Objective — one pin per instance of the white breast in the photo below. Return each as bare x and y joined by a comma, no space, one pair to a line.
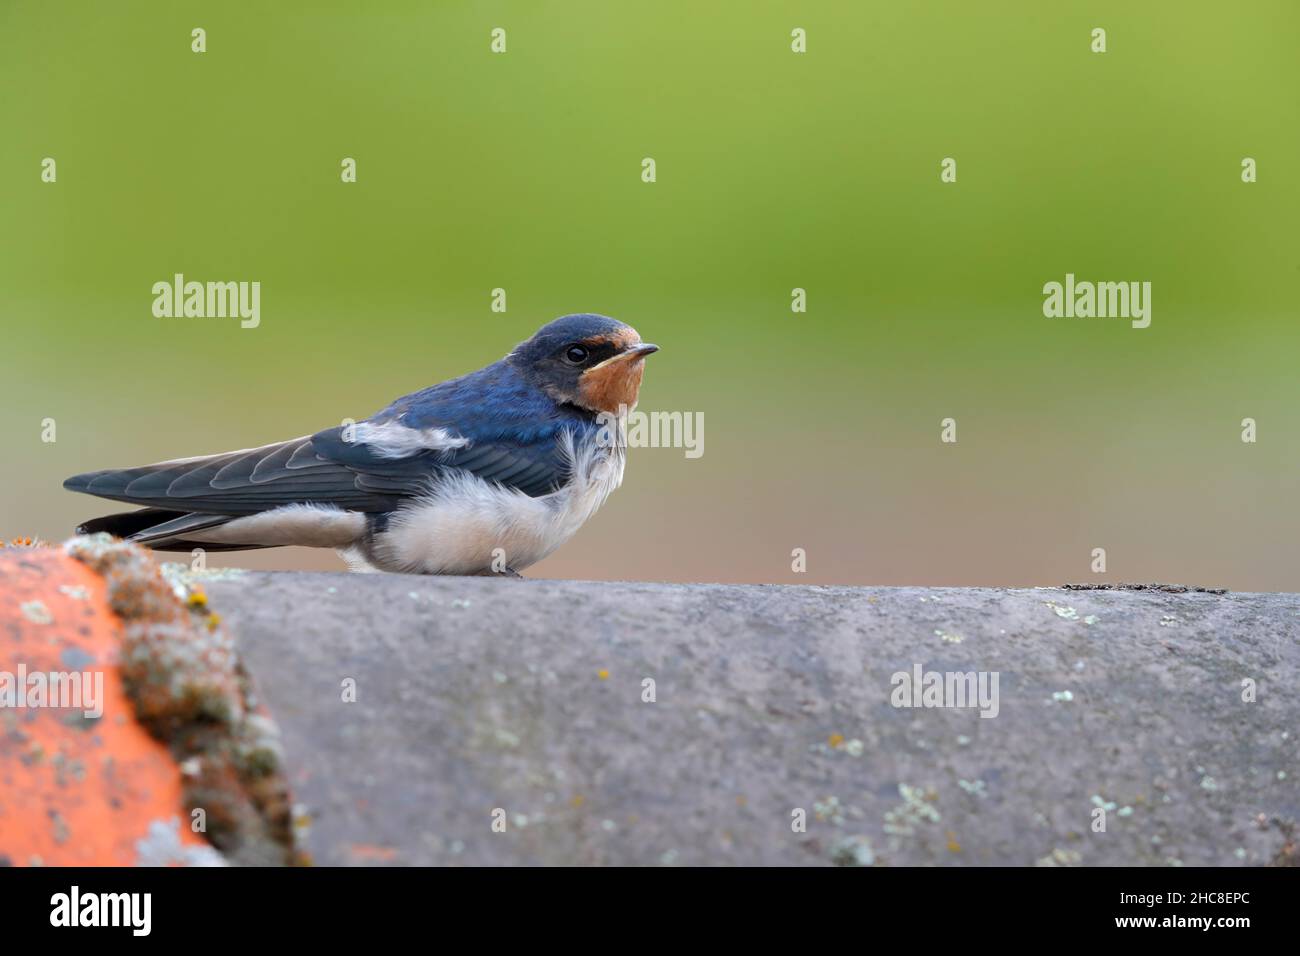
465,525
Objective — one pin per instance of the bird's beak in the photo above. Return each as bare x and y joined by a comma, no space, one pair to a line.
632,353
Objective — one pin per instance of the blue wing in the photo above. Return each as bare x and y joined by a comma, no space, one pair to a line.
513,431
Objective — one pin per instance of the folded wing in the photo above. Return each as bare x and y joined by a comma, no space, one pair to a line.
325,469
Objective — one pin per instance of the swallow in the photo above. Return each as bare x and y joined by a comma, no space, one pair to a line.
489,472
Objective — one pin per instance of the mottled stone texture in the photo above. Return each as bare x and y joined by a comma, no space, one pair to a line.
475,694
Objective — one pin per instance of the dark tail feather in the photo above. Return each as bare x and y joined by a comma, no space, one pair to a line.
127,523
157,527
180,544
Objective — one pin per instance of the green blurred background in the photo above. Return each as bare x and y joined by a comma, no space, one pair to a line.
775,170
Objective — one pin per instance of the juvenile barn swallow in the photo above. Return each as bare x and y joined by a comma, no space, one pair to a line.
515,456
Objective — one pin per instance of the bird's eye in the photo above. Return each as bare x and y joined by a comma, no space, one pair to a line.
576,354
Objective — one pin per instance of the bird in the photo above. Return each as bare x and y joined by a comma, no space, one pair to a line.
486,473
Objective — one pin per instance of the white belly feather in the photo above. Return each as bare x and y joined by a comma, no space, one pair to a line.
308,526
466,525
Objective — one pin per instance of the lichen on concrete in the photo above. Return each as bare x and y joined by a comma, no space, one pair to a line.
187,684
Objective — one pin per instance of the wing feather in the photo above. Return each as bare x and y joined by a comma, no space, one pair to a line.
323,469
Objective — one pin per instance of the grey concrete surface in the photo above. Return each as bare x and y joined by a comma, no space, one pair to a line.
475,695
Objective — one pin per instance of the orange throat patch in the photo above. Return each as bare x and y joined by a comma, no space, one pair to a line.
613,384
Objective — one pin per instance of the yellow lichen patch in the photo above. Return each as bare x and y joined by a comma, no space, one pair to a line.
835,740
197,599
602,674
953,845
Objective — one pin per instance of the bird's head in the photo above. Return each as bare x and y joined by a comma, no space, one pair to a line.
591,361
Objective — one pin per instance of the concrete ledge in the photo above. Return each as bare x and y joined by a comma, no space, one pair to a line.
526,696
